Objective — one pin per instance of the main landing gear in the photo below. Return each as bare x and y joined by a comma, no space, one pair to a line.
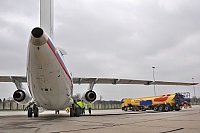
33,111
74,111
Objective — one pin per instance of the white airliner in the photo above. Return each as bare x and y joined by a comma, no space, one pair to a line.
49,81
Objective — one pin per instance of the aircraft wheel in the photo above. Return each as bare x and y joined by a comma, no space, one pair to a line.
71,113
30,111
57,111
36,112
78,112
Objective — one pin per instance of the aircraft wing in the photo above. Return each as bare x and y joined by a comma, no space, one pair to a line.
77,80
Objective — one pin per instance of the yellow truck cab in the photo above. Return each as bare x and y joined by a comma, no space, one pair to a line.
126,102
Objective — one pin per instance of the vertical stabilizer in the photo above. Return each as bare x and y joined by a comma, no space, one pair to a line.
47,16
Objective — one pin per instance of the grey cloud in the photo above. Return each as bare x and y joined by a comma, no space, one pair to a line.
112,38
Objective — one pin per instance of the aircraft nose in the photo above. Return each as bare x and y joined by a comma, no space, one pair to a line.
37,32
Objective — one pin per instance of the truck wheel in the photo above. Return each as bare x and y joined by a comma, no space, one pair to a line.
143,109
167,108
177,107
125,108
155,108
134,108
160,108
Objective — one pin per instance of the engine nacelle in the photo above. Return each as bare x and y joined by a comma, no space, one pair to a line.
89,96
22,96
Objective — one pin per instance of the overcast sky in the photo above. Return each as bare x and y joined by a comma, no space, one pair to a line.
110,38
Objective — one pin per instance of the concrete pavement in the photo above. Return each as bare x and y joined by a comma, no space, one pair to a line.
103,121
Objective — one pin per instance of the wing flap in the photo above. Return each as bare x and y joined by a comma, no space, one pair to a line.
174,83
77,80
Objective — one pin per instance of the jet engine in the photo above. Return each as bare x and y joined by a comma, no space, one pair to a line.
22,96
89,96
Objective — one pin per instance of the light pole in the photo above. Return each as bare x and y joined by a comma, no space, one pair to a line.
193,87
154,81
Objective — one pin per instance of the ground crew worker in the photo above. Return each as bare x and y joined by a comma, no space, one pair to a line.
75,104
90,107
79,104
83,107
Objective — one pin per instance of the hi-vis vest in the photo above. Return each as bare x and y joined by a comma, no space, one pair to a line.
89,105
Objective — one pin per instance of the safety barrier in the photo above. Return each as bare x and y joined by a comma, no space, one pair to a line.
106,105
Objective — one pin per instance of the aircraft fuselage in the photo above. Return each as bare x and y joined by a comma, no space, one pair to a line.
48,78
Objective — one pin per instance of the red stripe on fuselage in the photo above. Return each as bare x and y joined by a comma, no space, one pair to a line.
59,60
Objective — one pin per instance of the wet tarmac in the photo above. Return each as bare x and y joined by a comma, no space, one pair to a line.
103,121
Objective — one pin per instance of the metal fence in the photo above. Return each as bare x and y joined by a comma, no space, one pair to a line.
12,105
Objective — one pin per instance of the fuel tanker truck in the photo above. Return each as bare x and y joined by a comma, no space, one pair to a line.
167,102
